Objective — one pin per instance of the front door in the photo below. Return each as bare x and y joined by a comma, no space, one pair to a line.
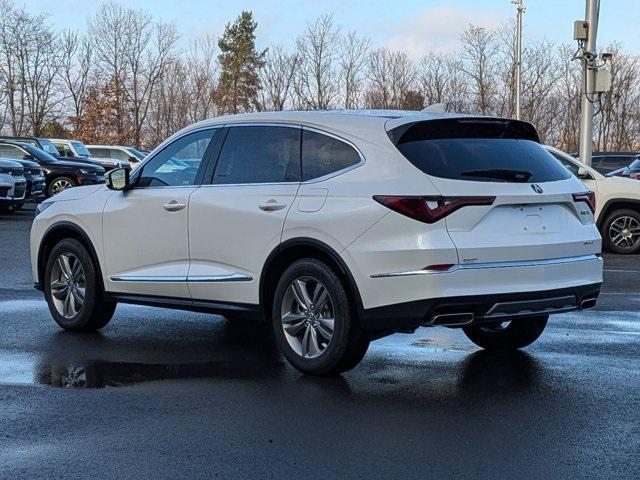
146,228
237,219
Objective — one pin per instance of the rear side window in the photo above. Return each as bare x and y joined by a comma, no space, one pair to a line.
256,154
323,155
99,152
478,150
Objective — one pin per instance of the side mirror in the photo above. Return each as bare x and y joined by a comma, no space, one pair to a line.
118,179
583,174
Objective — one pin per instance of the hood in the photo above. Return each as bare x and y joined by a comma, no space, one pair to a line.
76,193
79,164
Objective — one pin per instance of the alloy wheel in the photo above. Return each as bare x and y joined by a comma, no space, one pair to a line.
308,316
624,232
68,284
60,185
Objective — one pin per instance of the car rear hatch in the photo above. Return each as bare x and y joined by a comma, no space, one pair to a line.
519,203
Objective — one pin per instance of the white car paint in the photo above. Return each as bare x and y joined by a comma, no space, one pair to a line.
523,242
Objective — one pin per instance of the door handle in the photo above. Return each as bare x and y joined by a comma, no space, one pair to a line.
174,206
272,206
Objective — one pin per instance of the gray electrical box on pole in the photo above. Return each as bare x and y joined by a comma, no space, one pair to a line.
589,57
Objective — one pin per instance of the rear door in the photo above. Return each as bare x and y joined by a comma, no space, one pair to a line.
533,214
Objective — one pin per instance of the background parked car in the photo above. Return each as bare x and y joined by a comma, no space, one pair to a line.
12,176
117,152
60,174
617,204
607,162
632,171
36,182
76,149
40,142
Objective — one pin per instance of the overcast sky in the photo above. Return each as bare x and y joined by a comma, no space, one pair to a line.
416,26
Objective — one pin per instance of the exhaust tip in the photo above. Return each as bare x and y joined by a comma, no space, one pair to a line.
588,303
452,319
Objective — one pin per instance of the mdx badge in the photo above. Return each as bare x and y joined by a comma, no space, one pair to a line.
536,188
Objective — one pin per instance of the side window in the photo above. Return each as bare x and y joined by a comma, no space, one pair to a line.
569,165
119,154
256,154
323,155
11,151
179,162
99,152
64,150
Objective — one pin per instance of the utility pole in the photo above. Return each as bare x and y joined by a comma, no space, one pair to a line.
589,57
520,11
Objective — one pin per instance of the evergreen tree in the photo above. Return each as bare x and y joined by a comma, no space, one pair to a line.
240,63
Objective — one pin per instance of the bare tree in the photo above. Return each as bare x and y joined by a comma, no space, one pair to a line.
77,55
316,84
392,80
478,54
354,51
277,78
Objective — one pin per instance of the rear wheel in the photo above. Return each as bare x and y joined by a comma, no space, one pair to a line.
621,231
508,335
313,321
60,184
73,290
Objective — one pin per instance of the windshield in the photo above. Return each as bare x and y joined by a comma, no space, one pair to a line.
39,153
80,148
635,165
48,146
136,153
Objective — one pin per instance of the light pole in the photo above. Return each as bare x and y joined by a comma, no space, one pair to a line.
589,57
520,11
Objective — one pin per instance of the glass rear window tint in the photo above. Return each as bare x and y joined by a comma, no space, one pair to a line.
323,155
483,151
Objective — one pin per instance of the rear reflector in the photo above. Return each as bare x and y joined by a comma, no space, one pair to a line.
429,209
588,197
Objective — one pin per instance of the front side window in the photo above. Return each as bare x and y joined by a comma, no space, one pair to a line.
568,164
259,154
178,163
323,155
64,150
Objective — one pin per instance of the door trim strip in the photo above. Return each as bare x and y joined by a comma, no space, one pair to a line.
234,277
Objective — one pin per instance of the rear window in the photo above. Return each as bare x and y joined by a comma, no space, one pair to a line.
478,150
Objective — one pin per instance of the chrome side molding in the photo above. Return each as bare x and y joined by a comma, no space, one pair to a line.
234,277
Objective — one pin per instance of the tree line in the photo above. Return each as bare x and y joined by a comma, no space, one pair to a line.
128,81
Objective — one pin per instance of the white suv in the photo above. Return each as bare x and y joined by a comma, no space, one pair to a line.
339,228
617,204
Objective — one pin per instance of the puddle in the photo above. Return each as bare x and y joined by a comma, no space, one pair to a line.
438,345
23,369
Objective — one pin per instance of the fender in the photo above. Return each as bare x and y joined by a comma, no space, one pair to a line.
66,225
318,245
604,211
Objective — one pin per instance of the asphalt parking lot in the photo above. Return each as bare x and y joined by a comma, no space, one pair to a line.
197,396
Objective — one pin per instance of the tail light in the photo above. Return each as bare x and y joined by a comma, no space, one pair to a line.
429,209
588,197
635,176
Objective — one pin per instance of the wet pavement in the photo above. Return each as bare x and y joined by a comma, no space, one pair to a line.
162,394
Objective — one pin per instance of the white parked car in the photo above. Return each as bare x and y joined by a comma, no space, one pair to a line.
617,204
117,152
75,149
339,228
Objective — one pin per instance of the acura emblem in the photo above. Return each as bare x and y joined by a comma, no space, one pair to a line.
536,188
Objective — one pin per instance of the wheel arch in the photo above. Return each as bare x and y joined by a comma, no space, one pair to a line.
59,231
616,204
295,249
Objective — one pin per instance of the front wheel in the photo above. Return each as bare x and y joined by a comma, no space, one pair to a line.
73,290
507,335
60,184
313,320
621,232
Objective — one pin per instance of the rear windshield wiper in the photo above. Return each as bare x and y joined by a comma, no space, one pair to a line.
501,174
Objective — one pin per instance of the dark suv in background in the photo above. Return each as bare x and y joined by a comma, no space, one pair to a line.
60,174
36,182
608,162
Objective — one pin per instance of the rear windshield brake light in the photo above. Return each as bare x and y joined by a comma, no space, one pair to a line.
429,209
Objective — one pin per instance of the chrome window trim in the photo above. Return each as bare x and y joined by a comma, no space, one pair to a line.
490,265
233,277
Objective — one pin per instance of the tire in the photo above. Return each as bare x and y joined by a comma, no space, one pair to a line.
347,343
507,335
60,184
71,264
621,232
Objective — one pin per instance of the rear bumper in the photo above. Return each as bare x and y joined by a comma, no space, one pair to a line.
476,309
